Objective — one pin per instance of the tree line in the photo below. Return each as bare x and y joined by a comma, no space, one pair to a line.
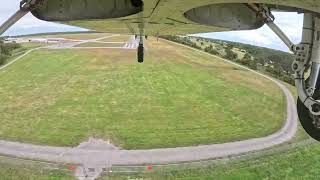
6,50
275,63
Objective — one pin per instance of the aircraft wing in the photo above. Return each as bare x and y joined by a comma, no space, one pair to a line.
167,17
163,17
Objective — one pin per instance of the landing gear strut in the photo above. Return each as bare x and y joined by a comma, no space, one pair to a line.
25,7
307,58
140,53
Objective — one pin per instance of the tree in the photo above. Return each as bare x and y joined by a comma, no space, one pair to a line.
5,50
3,59
247,56
260,60
230,54
208,48
229,46
246,60
253,65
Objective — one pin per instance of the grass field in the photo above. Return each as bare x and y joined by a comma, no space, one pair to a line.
302,163
295,163
24,48
178,97
10,172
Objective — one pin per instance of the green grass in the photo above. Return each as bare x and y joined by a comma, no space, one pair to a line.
19,169
10,172
24,48
177,98
302,163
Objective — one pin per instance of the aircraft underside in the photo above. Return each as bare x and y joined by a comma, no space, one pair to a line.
167,17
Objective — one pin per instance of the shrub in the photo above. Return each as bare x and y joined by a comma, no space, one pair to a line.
230,54
3,59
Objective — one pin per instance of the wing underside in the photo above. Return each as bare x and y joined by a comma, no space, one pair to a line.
163,17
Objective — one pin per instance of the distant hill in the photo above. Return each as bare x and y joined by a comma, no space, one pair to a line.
54,33
274,62
261,53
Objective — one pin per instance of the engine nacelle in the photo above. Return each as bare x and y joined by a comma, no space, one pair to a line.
231,16
67,10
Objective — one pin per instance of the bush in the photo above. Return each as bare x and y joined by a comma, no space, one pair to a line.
253,65
230,54
5,50
288,79
3,59
214,52
12,46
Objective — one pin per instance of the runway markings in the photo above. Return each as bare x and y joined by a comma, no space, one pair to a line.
132,43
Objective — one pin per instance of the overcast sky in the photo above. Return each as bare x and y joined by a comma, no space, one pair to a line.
291,23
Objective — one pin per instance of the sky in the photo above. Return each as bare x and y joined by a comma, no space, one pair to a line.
290,23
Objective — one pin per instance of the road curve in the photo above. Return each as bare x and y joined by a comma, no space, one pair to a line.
108,157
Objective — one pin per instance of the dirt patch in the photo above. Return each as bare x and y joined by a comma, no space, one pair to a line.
97,144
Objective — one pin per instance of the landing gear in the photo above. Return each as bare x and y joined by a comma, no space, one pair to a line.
309,122
307,60
140,53
140,50
308,57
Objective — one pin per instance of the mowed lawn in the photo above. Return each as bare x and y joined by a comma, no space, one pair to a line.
10,172
178,97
